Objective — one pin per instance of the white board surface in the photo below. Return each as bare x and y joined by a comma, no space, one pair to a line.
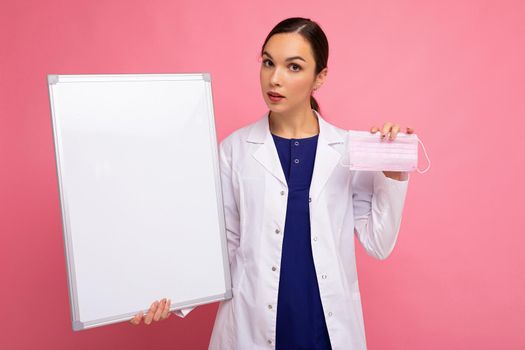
140,193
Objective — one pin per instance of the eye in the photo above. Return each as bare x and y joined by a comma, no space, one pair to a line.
297,66
266,61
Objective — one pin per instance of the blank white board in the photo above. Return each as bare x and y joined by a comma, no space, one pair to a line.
140,193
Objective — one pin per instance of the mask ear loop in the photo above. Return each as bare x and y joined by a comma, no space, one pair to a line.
426,156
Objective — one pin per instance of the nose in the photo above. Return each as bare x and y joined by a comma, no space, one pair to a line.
275,78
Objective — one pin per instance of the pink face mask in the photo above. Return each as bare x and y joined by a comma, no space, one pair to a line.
366,151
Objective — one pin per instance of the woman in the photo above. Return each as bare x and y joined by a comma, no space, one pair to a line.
292,210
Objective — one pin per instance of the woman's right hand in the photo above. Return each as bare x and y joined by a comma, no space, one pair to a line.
159,310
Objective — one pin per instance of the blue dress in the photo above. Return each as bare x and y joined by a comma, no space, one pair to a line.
300,317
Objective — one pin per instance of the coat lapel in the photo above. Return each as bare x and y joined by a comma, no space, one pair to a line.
266,154
326,157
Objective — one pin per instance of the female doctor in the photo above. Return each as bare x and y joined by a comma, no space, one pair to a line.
291,212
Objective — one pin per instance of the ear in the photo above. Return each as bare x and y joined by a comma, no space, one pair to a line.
321,77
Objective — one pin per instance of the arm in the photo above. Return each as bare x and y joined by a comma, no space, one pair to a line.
230,199
378,202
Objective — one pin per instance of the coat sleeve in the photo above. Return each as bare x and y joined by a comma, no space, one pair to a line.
229,198
378,203
231,211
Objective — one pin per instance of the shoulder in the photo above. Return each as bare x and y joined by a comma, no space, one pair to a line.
333,134
337,130
238,137
235,146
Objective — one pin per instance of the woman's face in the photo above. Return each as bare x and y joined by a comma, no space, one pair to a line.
288,69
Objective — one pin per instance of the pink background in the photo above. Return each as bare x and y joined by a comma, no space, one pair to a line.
453,70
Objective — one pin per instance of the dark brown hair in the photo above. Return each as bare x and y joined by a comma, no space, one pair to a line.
313,33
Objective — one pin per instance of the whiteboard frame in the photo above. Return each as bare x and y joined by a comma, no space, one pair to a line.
54,79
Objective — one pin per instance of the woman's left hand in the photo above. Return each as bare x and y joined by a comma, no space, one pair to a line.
389,131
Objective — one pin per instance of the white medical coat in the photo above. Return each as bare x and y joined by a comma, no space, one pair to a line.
342,202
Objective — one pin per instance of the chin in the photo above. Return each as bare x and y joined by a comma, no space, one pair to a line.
276,109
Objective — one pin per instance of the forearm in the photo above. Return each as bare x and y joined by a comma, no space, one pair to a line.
378,205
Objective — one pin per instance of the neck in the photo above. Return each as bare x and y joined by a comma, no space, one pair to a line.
296,125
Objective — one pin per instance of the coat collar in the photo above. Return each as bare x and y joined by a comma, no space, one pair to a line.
326,157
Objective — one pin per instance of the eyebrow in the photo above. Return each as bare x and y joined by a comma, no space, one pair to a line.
286,60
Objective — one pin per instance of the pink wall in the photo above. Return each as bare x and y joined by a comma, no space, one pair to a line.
453,70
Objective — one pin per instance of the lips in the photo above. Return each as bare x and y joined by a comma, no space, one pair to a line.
274,94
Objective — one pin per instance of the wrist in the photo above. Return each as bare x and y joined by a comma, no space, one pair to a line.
396,175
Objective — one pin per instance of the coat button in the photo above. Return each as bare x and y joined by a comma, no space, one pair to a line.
282,193
330,314
270,306
274,268
269,342
315,238
324,277
296,161
309,199
296,143
277,231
